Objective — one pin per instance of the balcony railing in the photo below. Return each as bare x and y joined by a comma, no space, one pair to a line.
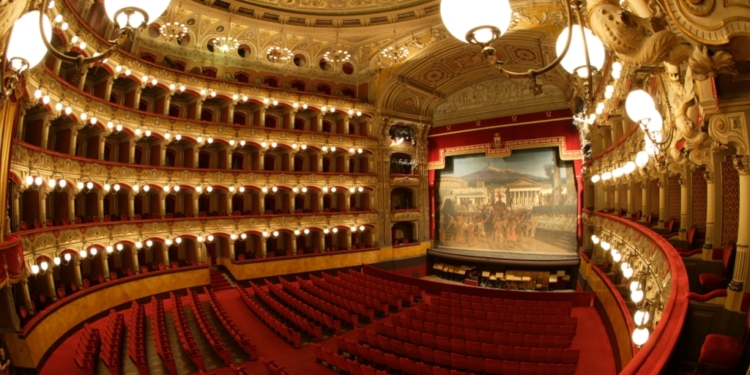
667,269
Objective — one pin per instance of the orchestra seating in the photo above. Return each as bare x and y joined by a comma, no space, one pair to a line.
291,336
208,329
319,303
87,349
186,338
161,341
238,336
111,341
136,345
297,320
273,368
307,310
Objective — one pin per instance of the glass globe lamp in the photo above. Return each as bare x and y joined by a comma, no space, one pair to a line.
575,60
476,21
641,159
639,105
134,14
640,336
26,48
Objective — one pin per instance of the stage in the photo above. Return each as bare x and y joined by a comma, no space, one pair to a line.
505,257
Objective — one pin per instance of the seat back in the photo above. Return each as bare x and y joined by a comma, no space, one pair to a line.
691,236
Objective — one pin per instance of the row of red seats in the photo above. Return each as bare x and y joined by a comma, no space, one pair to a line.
310,327
413,341
476,324
238,336
111,339
396,293
304,308
423,348
513,316
87,349
321,304
500,309
273,368
276,325
239,370
453,297
412,289
183,331
442,358
482,336
354,307
384,298
343,365
208,329
369,304
457,330
136,346
161,340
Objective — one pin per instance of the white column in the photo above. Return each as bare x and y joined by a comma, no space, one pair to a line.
708,244
739,285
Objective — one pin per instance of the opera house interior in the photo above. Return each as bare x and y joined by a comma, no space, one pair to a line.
417,187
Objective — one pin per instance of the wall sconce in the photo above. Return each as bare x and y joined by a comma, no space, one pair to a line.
141,187
33,180
299,105
201,190
299,188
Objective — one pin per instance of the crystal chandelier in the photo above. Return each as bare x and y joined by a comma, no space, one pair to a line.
336,56
226,44
393,54
278,54
173,31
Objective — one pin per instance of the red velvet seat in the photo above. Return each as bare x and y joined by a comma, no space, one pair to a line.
712,281
721,353
423,369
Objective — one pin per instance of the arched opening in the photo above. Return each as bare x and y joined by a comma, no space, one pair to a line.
402,198
401,163
403,233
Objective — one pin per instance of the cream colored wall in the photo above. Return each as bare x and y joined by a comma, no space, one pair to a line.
254,270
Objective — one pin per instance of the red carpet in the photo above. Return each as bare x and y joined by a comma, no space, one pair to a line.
591,339
219,282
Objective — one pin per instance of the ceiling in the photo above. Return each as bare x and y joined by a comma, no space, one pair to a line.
442,81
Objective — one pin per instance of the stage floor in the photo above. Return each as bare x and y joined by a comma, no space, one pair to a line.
507,254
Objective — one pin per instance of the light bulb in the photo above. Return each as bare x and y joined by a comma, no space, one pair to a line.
93,252
306,231
275,233
138,245
639,105
640,336
297,232
44,266
149,243
606,245
67,257
616,256
178,240
636,295
119,247
146,188
210,238
83,254
243,236
641,317
110,249
627,272
38,181
594,239
34,269
335,230
641,159
57,261
634,285
595,178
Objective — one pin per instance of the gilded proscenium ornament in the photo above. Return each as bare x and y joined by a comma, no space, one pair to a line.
647,41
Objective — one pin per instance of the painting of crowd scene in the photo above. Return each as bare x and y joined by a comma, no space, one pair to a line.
524,203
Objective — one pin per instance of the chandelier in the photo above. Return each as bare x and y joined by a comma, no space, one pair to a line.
171,31
393,54
482,22
278,54
226,44
336,56
30,39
